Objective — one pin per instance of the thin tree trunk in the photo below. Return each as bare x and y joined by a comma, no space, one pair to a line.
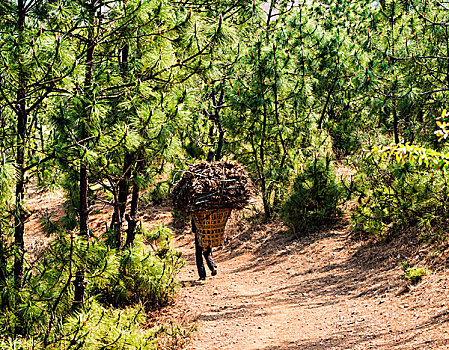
132,217
395,123
84,176
217,147
210,154
276,114
22,121
2,258
221,133
84,199
217,121
323,112
79,282
263,185
123,189
19,221
128,161
117,224
395,113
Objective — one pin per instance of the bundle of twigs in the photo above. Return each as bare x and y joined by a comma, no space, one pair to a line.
212,185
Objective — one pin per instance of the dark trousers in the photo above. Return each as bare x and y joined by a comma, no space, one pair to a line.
199,253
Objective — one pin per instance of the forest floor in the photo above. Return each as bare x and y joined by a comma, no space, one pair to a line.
328,290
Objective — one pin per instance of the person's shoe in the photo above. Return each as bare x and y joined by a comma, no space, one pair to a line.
202,279
214,272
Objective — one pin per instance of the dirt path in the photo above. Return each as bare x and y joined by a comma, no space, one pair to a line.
322,292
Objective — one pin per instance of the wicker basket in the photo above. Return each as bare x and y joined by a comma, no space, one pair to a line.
210,226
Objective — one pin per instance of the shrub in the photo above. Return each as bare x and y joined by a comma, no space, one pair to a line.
144,274
131,280
155,194
314,198
345,137
97,327
392,196
413,274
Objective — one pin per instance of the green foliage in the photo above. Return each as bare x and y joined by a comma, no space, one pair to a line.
155,194
413,274
134,279
98,327
314,198
392,196
403,185
144,274
412,154
160,235
346,139
7,177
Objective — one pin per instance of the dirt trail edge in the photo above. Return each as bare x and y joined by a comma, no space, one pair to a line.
325,291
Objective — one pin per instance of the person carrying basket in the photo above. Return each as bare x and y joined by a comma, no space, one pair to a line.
209,191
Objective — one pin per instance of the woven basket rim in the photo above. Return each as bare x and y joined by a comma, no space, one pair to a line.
213,210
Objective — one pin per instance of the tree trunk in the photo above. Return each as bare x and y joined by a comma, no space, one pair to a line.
261,168
123,189
19,221
395,124
217,121
128,161
132,217
84,199
2,259
79,282
117,220
80,285
210,154
21,139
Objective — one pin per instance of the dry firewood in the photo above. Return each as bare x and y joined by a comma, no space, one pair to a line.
212,185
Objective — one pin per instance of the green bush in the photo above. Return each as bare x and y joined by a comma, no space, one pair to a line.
314,198
120,286
392,196
413,274
345,137
46,292
143,273
97,327
155,194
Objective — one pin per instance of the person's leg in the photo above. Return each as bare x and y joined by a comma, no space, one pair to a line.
210,261
199,259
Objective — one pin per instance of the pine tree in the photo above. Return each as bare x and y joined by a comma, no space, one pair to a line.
30,68
265,125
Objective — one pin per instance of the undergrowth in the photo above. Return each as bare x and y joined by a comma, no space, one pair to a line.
413,274
122,285
392,197
314,198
